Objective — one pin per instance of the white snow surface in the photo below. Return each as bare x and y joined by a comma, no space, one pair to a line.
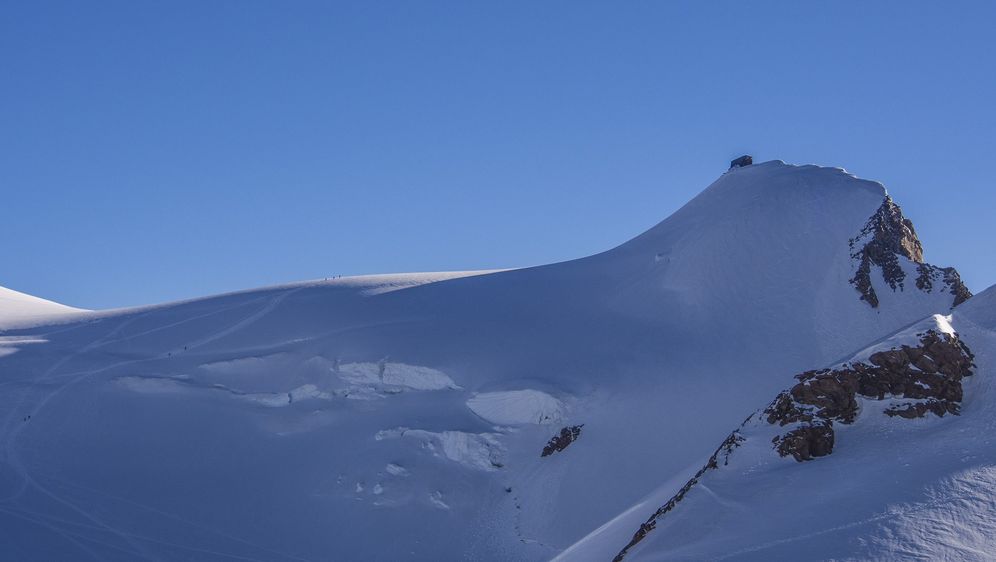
517,407
893,489
400,375
18,309
257,425
482,451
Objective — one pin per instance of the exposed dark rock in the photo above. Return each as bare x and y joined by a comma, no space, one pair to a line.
807,442
561,441
912,410
930,373
928,274
891,232
955,285
785,410
862,282
830,393
885,237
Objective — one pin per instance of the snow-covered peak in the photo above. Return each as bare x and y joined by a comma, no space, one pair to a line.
499,416
776,243
774,195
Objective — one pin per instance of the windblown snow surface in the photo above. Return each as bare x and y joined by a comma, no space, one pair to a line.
893,488
19,309
402,417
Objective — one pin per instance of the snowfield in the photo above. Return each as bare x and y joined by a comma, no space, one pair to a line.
892,489
517,407
402,417
18,309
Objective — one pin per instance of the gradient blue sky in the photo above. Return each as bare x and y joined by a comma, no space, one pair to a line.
152,151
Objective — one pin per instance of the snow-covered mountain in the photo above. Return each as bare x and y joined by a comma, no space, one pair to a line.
508,415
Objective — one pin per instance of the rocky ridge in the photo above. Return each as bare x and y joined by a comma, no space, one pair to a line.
723,452
926,377
928,274
885,238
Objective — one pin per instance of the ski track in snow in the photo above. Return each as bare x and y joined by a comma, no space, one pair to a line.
891,514
248,321
28,481
184,521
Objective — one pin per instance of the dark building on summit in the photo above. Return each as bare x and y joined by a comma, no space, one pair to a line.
744,160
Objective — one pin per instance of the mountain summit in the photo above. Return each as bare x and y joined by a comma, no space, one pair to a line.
475,415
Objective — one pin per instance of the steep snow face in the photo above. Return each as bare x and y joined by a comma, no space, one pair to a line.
899,482
18,309
770,238
404,417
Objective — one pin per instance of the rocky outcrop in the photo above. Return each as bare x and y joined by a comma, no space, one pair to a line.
887,237
929,375
928,275
562,440
910,410
806,442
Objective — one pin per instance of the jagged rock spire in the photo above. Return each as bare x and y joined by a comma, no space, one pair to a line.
885,237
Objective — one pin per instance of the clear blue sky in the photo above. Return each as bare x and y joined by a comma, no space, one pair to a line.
152,151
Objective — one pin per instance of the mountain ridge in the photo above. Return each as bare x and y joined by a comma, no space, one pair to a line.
354,408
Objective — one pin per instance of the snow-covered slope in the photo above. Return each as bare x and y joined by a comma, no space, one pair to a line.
18,309
336,420
882,478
